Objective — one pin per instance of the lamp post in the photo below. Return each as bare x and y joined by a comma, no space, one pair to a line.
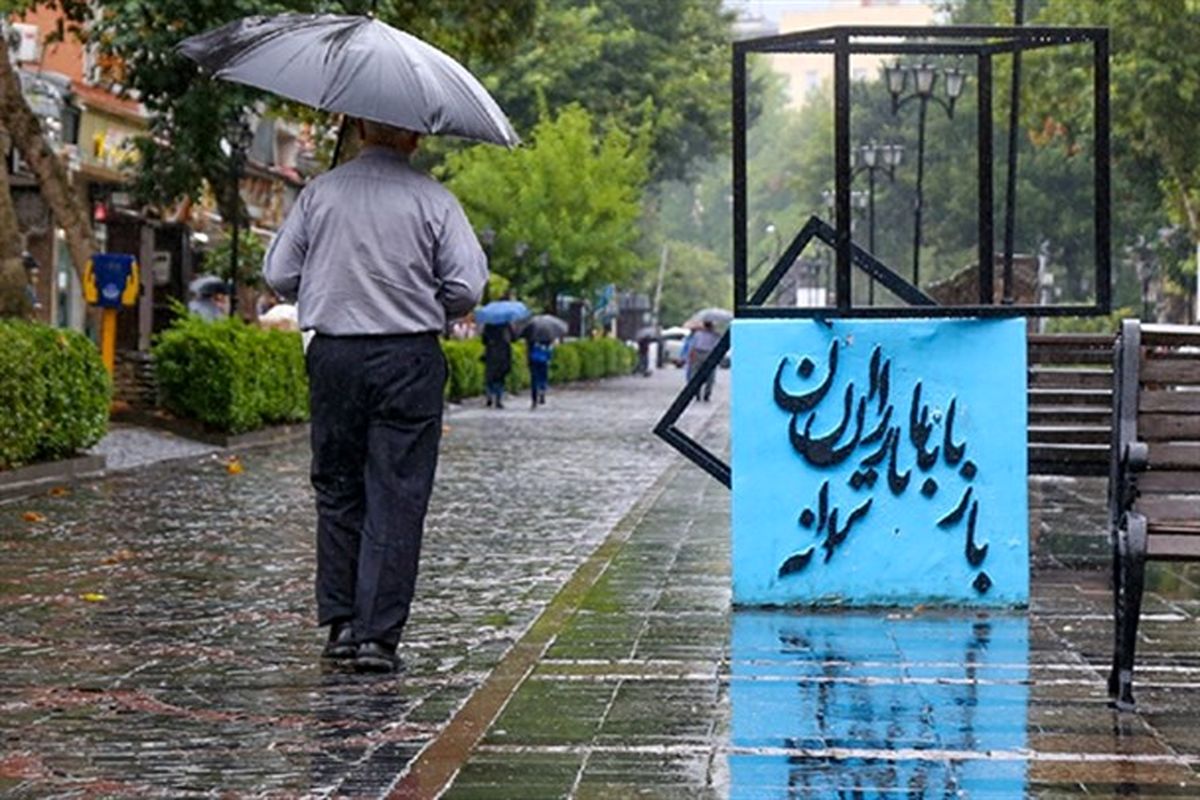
238,136
519,251
544,261
487,238
858,199
873,158
924,78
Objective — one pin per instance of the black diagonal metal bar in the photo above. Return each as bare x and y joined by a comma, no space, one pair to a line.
879,271
689,447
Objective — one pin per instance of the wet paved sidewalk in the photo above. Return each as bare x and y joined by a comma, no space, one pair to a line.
579,539
158,638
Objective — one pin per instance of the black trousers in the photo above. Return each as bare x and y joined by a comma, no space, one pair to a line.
376,405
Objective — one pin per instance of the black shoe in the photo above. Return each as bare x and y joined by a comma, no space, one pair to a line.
533,405
376,657
542,399
341,644
489,401
499,403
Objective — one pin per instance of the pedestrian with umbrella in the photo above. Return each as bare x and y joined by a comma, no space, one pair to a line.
700,344
378,256
209,298
539,334
498,318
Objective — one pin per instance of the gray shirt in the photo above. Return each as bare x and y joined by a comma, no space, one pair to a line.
376,247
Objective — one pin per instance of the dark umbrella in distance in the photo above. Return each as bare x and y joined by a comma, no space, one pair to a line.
716,316
357,66
545,328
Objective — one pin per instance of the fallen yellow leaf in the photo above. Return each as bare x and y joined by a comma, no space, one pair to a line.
93,597
234,466
33,516
60,491
119,556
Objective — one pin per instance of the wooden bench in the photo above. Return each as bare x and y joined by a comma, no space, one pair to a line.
1154,485
1070,404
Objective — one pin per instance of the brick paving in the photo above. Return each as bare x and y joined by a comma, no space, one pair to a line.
575,536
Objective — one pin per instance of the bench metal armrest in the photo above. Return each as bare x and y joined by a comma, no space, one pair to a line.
1136,456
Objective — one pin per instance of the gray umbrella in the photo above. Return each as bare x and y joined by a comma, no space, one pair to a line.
545,328
207,286
357,66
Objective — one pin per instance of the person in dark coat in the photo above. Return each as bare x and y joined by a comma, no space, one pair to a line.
497,361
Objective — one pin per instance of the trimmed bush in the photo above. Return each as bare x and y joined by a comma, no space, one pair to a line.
229,375
464,360
54,390
565,366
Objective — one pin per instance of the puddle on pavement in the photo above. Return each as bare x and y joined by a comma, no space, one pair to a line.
878,705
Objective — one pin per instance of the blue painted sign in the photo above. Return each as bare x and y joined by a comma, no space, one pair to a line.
849,705
880,462
110,280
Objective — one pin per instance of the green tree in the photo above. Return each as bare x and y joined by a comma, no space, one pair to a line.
190,112
1156,99
569,193
629,61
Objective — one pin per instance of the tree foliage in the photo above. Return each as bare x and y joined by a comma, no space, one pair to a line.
570,193
1156,100
628,61
190,113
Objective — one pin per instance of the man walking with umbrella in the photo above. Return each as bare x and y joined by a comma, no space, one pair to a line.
379,255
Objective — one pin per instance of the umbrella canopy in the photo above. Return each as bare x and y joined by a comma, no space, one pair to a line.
545,328
207,286
357,66
501,312
717,316
648,332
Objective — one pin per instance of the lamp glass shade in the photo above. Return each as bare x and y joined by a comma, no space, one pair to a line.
897,77
955,78
925,77
870,154
889,155
897,155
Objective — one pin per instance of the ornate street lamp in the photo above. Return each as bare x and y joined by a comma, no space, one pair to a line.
872,158
924,79
238,137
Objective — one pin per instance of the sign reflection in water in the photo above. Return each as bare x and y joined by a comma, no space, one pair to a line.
865,706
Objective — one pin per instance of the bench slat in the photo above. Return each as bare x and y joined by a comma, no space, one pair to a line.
1155,482
1067,378
1173,547
1079,415
1073,355
1160,401
1170,335
1070,434
1069,397
1068,452
1170,371
1168,509
1175,456
1169,427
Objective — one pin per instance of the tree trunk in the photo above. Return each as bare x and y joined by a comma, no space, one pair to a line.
69,210
14,300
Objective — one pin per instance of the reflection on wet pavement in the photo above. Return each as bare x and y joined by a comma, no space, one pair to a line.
877,705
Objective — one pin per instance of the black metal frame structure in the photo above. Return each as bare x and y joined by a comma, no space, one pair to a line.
982,42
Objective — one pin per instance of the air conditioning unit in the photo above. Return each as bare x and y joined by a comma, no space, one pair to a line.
24,42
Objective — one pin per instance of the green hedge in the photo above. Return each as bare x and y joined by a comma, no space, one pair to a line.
54,391
229,375
235,377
